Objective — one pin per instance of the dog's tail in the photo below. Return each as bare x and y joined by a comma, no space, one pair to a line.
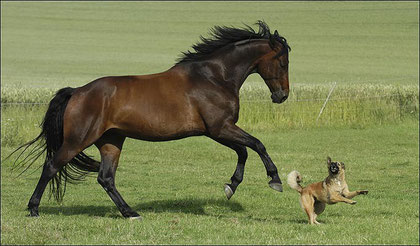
293,180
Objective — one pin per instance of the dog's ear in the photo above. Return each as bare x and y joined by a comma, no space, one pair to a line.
343,166
328,160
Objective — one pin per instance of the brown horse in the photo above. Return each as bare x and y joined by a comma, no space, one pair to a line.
199,95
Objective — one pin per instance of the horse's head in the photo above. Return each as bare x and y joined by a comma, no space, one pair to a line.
274,68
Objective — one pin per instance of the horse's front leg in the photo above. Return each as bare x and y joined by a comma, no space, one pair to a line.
233,134
238,175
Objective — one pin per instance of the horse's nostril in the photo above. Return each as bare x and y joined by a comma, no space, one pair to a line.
283,99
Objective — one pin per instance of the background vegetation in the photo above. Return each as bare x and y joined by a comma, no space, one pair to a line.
369,50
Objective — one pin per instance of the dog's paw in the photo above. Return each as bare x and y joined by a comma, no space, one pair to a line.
363,192
353,202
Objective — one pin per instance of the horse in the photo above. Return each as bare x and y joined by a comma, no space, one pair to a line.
198,96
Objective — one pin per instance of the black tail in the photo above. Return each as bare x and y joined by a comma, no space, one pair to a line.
50,140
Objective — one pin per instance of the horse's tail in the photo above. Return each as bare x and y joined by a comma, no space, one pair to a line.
50,140
293,179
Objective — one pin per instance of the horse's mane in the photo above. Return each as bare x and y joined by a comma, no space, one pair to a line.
222,36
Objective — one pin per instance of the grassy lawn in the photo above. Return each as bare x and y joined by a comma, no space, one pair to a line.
371,123
56,44
178,188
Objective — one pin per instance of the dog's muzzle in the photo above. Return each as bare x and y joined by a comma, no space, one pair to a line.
334,168
279,96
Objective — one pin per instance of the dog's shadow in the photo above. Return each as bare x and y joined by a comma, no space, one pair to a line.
187,206
304,222
298,221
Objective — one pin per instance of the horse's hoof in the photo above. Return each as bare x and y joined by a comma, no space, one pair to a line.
33,213
228,191
139,218
276,186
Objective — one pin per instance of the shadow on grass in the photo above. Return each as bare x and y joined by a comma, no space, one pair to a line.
101,211
188,206
219,208
301,221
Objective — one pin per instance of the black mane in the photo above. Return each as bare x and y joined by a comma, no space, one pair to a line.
222,36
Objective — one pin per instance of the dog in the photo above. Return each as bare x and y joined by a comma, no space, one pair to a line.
333,189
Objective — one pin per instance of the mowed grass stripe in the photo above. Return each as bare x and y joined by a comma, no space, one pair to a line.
73,43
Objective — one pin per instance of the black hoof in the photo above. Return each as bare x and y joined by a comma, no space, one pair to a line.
132,215
228,191
276,186
33,212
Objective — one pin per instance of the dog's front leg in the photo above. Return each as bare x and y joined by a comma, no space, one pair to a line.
351,194
337,197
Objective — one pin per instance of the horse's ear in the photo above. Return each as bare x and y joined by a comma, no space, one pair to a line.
272,40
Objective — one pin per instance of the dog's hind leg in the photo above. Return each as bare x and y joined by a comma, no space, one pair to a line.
307,202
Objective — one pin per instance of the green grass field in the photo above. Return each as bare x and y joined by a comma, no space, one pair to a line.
370,49
59,44
178,189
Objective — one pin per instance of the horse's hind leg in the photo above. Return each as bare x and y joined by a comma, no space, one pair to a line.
60,159
110,148
238,175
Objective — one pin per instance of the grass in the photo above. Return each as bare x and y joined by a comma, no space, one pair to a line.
177,187
370,49
71,43
356,107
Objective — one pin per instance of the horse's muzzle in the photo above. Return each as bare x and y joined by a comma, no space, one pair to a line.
279,96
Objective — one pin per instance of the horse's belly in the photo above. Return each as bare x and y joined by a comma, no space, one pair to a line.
161,133
162,137
161,125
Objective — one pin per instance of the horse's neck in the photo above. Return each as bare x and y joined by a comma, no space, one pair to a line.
233,65
242,61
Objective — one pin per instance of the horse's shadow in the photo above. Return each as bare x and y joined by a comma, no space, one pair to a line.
188,206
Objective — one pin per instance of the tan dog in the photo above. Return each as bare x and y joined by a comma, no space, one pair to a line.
330,191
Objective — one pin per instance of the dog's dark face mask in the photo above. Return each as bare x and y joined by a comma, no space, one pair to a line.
334,167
